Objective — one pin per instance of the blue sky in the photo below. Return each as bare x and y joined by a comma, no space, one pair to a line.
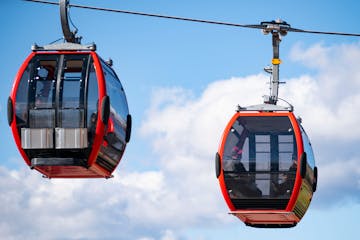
183,81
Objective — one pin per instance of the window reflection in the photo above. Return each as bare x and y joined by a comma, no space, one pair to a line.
72,82
308,148
92,103
258,158
21,102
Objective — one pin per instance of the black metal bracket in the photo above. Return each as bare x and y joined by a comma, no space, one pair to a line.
68,34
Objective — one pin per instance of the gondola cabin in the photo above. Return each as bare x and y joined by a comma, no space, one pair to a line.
68,112
265,167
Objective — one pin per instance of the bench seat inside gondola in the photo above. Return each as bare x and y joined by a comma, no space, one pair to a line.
55,146
42,133
257,190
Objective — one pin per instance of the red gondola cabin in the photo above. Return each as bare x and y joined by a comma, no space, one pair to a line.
68,112
265,166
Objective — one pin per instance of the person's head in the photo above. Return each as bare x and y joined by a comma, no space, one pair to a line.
236,153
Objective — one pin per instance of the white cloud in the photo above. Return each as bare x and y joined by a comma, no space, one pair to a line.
83,209
166,235
340,175
182,122
338,75
328,100
315,56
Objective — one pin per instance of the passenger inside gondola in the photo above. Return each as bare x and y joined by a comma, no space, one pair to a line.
242,183
236,155
45,81
286,181
92,127
41,112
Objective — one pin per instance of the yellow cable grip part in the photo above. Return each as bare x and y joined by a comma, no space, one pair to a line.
276,61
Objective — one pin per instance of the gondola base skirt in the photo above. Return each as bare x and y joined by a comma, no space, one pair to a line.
267,219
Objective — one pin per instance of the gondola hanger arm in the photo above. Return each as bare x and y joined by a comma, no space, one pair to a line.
69,36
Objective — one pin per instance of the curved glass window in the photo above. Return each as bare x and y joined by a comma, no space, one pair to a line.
308,148
116,92
92,102
259,161
111,152
21,102
118,104
42,94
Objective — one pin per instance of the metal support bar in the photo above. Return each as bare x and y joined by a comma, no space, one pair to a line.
266,107
274,85
277,29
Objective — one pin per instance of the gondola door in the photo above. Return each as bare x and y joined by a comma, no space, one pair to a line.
71,131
